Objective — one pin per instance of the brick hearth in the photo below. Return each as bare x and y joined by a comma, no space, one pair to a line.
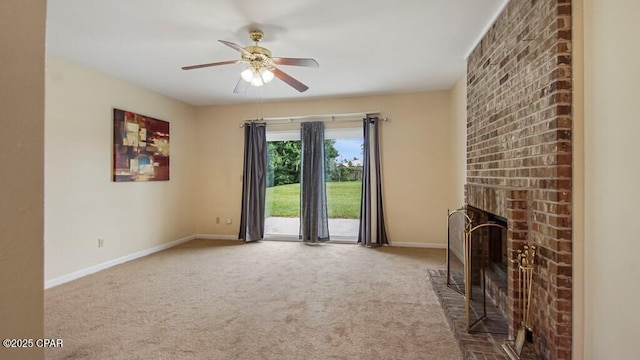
486,342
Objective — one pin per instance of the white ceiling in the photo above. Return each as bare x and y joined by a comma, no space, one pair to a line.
364,47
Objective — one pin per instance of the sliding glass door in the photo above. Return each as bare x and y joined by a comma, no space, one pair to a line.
343,174
344,182
282,210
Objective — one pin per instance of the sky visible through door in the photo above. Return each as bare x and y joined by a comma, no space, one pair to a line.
349,148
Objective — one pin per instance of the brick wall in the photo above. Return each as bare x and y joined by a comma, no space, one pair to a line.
519,129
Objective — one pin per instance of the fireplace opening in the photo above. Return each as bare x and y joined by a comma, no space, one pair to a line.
498,246
489,261
477,267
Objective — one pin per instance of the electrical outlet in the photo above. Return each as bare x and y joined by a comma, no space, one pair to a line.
228,221
100,242
218,220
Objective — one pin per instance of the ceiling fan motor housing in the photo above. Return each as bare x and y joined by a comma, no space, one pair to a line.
256,50
256,35
258,56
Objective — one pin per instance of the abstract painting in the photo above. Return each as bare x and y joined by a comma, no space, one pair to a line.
140,147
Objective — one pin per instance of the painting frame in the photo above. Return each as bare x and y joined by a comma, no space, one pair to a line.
140,147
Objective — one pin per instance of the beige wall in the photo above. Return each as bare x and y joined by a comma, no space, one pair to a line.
459,136
578,300
22,35
417,160
612,179
81,201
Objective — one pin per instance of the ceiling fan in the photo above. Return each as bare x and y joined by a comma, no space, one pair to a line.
262,66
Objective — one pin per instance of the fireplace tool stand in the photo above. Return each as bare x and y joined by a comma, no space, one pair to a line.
525,262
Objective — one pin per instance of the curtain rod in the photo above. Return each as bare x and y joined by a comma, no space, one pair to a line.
324,118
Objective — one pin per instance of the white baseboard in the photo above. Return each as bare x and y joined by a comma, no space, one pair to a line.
419,245
215,237
93,269
105,265
296,239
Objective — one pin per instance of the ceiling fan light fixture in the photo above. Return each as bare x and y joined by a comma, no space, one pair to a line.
257,81
257,77
248,74
266,75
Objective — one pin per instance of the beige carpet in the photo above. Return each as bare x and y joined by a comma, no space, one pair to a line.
270,300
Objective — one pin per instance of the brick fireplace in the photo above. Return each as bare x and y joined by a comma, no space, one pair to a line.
519,154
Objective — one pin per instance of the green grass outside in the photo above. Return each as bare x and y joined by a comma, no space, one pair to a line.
343,200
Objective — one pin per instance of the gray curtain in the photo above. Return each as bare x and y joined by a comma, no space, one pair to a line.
372,228
254,182
314,218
